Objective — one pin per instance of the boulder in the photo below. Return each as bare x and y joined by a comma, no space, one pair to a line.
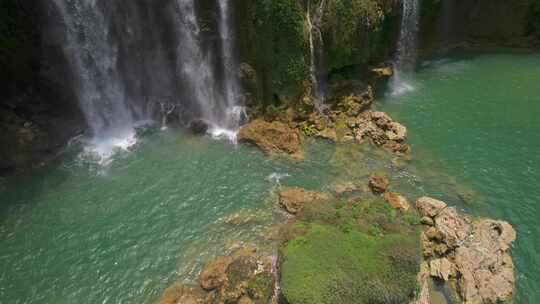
429,207
397,201
198,126
293,199
484,264
378,183
273,138
441,269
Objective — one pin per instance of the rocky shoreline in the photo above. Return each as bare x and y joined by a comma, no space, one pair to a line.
359,242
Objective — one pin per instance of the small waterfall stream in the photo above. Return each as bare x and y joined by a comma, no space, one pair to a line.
316,50
405,60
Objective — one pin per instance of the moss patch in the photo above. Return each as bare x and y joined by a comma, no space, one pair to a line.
351,252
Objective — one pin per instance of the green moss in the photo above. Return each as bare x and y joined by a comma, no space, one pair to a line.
261,287
328,265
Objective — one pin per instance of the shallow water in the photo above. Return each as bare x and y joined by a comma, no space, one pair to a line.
476,116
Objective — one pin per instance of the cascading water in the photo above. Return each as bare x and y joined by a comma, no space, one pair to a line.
405,61
217,105
93,57
234,113
316,54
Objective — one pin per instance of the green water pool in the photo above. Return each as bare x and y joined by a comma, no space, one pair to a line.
477,116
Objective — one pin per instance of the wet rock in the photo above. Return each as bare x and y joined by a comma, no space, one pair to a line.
214,274
329,134
183,294
293,199
441,268
397,201
378,183
429,207
198,126
273,138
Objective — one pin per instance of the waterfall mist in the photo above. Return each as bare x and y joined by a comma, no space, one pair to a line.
405,60
135,62
316,48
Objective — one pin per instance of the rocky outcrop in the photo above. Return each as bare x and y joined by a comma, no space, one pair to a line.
293,199
273,138
242,278
474,252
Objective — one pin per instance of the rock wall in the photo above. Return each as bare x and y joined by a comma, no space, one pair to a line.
37,114
480,22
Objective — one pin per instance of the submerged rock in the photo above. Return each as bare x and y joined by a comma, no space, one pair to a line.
293,199
183,294
273,138
378,183
397,201
473,251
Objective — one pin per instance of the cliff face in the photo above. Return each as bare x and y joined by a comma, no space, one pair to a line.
481,22
37,115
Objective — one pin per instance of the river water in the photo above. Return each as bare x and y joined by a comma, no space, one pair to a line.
476,115
84,231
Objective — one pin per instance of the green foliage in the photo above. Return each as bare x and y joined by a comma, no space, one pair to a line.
329,265
348,25
280,43
308,130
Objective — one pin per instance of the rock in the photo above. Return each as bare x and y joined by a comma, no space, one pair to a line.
198,126
378,183
397,201
441,268
383,72
423,296
213,275
273,138
352,105
454,228
293,199
485,267
429,207
183,294
329,134
434,234
426,220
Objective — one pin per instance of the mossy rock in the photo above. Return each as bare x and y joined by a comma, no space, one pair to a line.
353,251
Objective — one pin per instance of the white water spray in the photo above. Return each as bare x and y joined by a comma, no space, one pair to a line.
316,53
405,61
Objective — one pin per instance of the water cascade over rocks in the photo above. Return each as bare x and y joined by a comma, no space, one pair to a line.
405,60
138,62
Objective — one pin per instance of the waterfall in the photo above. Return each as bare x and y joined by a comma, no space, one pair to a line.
316,70
93,57
234,112
405,61
218,105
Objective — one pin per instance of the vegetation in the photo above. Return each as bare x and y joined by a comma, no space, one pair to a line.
351,252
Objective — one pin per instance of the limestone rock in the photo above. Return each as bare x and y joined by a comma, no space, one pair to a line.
429,207
454,228
423,296
273,138
213,275
342,188
378,183
426,220
293,199
397,201
486,268
441,268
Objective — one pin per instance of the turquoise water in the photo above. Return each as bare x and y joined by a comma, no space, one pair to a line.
75,234
476,116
